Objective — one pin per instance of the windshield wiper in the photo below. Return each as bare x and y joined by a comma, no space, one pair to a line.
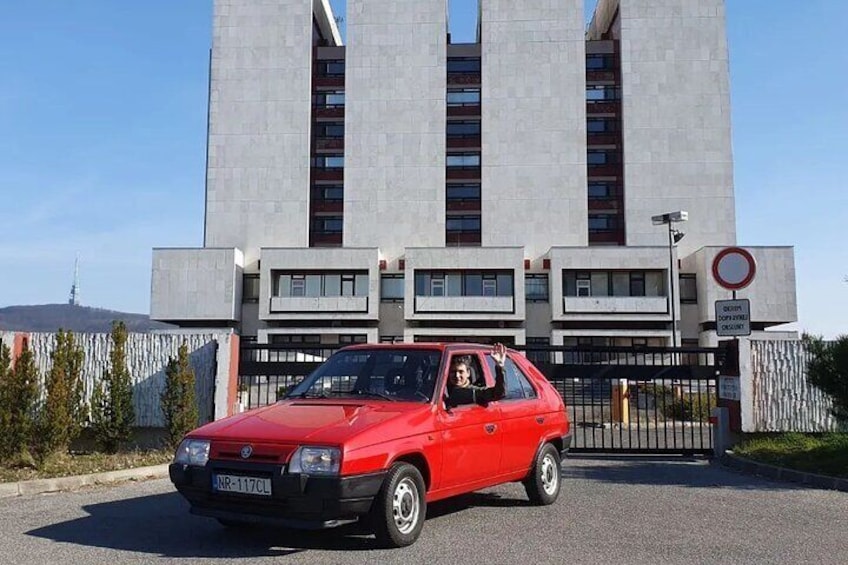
359,392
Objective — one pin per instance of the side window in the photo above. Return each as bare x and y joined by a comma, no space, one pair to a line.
517,385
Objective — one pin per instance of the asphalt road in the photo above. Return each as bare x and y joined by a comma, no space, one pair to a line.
613,510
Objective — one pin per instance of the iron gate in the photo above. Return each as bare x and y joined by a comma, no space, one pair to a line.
619,399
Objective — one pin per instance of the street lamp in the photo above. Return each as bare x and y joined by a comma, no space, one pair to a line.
673,237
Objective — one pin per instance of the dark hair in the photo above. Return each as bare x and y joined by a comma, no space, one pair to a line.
462,360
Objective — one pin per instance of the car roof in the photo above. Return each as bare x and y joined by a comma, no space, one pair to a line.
441,346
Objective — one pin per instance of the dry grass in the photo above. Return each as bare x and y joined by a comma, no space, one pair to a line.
69,464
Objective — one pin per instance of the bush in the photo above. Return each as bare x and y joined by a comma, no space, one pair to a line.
20,394
692,407
5,400
112,412
64,412
827,370
178,402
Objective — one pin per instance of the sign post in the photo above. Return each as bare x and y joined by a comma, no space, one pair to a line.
733,268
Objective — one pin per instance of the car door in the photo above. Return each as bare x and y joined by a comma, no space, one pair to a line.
520,414
471,438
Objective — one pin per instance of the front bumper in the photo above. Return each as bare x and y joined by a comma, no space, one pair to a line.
297,500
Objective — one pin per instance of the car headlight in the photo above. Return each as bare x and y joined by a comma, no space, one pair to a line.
192,452
315,461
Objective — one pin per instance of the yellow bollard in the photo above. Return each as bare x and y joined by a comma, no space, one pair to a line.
620,402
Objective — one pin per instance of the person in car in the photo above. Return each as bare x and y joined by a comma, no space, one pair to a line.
461,390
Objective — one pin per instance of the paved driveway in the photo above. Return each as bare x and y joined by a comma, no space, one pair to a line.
613,510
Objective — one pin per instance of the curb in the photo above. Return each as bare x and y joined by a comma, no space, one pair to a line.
749,466
59,484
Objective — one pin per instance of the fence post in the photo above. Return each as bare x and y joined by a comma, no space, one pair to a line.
722,436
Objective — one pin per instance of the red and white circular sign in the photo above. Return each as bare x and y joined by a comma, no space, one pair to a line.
734,268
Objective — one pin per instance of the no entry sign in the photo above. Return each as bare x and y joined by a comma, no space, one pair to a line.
734,268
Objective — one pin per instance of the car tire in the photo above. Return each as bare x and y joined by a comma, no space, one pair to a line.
399,510
544,483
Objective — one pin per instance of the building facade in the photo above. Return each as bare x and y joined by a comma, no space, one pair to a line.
401,187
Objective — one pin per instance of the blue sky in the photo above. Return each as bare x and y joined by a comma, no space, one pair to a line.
103,125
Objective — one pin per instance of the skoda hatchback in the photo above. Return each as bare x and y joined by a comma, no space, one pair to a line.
371,435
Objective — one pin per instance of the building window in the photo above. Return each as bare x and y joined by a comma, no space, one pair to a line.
329,99
463,283
391,288
463,160
602,222
469,128
328,192
330,68
391,339
614,283
600,62
322,284
250,289
333,130
602,190
598,157
688,288
461,192
601,125
602,93
327,224
294,338
462,223
463,97
536,287
463,65
351,339
328,162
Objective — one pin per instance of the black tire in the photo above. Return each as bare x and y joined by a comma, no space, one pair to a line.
399,510
545,480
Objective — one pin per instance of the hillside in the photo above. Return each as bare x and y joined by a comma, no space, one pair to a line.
78,319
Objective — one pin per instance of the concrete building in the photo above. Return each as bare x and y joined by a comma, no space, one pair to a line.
404,187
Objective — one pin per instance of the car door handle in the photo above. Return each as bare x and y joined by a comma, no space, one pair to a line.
490,428
540,419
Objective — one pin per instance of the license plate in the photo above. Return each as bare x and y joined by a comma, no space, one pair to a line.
242,485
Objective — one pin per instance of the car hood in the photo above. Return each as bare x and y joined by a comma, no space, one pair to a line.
316,421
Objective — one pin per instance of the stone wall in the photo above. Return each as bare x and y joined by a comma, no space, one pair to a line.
147,357
781,398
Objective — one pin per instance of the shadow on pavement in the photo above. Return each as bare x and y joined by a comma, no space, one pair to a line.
161,525
664,471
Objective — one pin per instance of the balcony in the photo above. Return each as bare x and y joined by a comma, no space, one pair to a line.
462,173
328,111
465,304
605,170
472,110
615,305
319,304
469,142
336,206
595,107
329,143
463,79
611,237
606,138
336,81
327,174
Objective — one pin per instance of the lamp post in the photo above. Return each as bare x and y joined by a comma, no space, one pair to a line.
674,236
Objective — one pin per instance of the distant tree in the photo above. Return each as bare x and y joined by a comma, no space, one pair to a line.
178,401
20,393
827,370
64,413
112,412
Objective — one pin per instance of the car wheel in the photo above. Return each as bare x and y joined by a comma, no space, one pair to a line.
544,482
400,507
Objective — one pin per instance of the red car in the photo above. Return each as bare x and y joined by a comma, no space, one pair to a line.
374,433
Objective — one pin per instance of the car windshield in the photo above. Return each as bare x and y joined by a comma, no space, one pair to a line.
383,374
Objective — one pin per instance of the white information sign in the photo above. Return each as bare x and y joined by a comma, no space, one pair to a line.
728,388
733,317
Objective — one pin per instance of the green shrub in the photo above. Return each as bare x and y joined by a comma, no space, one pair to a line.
827,370
112,412
178,402
5,400
20,394
64,412
690,407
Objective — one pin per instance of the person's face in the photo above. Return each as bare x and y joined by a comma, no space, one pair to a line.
460,376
